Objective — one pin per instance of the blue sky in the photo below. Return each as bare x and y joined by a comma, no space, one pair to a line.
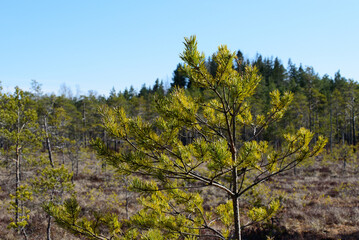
97,45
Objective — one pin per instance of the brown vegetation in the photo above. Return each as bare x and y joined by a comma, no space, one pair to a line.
321,201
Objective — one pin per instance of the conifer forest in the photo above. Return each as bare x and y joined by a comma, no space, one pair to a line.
233,148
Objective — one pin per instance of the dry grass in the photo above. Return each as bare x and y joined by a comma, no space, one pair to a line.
322,202
97,189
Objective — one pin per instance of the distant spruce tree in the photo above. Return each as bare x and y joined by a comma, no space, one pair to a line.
179,78
158,88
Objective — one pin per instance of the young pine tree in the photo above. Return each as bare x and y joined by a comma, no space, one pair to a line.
170,175
20,131
217,157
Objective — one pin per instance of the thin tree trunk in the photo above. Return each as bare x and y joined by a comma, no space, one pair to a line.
17,184
353,128
344,163
17,172
77,166
24,233
331,131
48,230
84,124
72,163
237,221
48,145
310,118
63,153
127,201
337,128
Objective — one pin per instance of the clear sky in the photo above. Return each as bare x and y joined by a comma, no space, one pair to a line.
100,44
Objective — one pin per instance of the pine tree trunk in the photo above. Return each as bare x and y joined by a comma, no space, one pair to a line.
48,143
127,205
84,124
353,128
17,172
17,184
337,129
310,118
63,153
77,166
237,221
48,230
24,233
331,131
344,163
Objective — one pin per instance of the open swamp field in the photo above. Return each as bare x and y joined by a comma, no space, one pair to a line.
320,201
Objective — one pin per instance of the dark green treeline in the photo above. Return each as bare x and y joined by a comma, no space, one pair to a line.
325,105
